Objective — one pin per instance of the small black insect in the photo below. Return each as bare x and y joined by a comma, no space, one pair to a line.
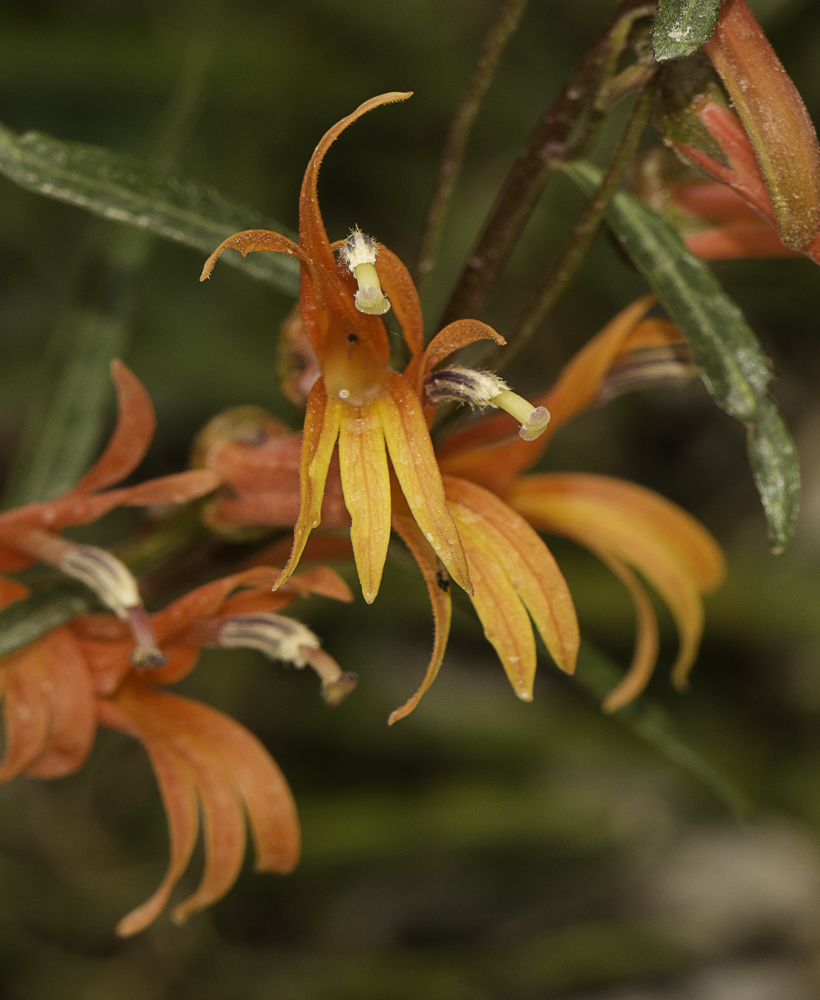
443,580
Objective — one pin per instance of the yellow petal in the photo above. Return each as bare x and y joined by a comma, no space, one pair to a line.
525,560
322,420
646,640
366,487
414,462
506,622
438,587
668,546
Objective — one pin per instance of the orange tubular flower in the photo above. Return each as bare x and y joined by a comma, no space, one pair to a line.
771,146
359,401
625,525
58,688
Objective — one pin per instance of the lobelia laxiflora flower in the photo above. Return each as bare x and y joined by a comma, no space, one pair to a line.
358,401
57,689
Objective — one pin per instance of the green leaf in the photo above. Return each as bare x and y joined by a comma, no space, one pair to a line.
69,406
776,470
650,721
732,364
124,188
681,26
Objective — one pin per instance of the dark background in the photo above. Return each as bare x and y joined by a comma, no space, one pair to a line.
482,848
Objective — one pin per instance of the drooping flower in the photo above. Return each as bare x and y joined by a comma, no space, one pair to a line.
627,526
57,689
360,402
30,533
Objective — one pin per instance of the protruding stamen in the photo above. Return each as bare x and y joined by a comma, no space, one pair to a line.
146,653
359,252
114,584
672,364
285,639
468,385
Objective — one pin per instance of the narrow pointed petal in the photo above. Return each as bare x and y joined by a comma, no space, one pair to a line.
135,428
312,235
249,240
492,454
453,337
739,241
414,462
71,703
366,487
400,290
178,791
81,508
322,422
668,546
646,639
180,487
501,611
526,561
438,587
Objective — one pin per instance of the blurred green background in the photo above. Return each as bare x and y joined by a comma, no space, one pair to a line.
482,848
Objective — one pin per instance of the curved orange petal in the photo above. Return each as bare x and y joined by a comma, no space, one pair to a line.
739,241
669,547
453,337
249,240
180,487
414,462
438,587
312,235
527,563
178,791
322,421
82,508
366,488
71,707
398,286
129,442
646,638
205,601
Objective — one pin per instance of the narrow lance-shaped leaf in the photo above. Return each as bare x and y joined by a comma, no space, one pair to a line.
681,26
650,722
126,189
732,364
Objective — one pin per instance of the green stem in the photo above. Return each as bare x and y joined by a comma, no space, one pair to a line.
579,243
460,129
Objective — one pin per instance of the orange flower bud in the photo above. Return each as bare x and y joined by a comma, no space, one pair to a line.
774,118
